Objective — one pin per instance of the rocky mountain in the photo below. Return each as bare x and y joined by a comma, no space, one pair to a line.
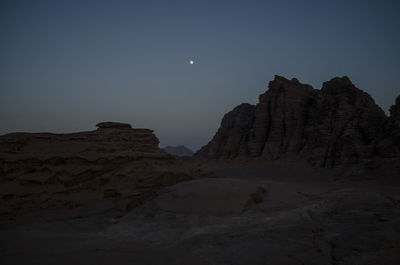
336,125
179,150
109,170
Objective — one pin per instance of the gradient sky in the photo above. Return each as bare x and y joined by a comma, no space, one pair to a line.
66,65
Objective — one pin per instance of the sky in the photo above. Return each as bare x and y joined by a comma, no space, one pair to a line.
67,65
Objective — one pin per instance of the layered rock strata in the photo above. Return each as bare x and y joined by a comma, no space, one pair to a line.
109,170
336,125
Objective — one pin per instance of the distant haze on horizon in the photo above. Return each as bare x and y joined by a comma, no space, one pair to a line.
67,65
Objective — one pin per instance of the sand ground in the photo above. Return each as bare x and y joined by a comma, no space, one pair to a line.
252,214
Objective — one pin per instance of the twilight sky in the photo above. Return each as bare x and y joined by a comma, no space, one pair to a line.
66,65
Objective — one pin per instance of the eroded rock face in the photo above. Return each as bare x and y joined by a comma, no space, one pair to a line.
351,121
281,117
233,136
388,144
394,123
329,127
395,112
111,169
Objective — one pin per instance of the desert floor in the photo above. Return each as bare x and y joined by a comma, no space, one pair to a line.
276,213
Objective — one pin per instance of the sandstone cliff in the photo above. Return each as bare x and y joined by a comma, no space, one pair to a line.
336,125
234,134
109,170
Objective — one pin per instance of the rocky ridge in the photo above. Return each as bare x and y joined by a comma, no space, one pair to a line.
337,125
179,150
109,170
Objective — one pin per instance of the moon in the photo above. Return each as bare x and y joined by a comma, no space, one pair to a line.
191,62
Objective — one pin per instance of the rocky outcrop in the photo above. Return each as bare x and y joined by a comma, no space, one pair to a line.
234,134
179,150
394,123
333,126
108,124
109,170
395,112
388,144
281,118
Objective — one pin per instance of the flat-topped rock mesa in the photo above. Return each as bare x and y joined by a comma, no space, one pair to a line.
108,170
117,125
336,125
111,139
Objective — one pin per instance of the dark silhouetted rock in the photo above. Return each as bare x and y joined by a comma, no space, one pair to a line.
395,112
388,144
104,125
281,117
109,170
394,122
329,127
179,150
233,136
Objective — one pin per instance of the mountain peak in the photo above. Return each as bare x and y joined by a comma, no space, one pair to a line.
179,150
292,118
337,85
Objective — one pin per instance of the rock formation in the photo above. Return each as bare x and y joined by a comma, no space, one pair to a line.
179,150
109,170
234,134
333,126
119,125
394,123
388,144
